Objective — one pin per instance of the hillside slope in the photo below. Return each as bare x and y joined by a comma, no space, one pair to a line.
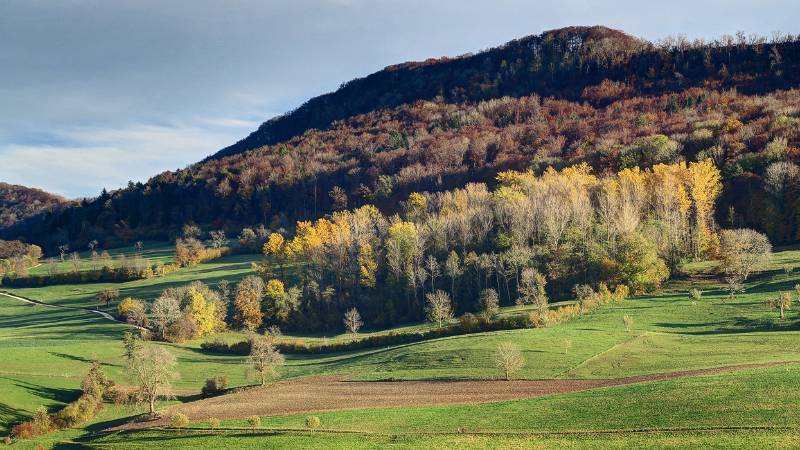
558,63
18,203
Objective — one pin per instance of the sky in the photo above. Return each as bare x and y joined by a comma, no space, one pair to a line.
94,93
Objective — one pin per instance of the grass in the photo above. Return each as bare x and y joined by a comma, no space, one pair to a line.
245,440
45,352
154,252
230,268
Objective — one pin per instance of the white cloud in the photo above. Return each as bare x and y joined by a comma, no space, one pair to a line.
85,160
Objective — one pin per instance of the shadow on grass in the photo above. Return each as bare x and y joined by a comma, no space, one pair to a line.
54,394
737,326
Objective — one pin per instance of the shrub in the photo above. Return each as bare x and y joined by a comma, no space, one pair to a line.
42,423
7,440
468,322
179,420
23,430
628,322
695,294
213,422
312,422
254,422
214,386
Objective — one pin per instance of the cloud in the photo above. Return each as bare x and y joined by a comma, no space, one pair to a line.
83,161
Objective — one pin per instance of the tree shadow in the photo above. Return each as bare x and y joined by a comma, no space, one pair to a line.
739,325
54,394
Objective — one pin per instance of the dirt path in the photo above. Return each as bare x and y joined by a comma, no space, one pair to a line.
329,393
103,314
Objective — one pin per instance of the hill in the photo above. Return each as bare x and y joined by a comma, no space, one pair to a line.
573,95
558,63
18,203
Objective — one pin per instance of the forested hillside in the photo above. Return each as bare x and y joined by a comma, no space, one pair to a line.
18,203
575,95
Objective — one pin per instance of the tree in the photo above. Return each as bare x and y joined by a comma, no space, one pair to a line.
439,307
188,251
782,302
454,269
218,239
264,361
191,231
203,309
627,321
508,358
277,307
734,284
132,311
247,302
153,369
352,321
532,289
744,250
62,251
106,296
165,311
490,302
132,342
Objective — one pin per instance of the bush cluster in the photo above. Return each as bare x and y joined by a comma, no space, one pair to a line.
95,387
215,386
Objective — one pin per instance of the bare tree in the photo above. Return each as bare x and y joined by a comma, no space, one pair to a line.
265,361
508,358
744,250
352,321
531,289
62,251
490,302
165,311
218,239
153,368
439,307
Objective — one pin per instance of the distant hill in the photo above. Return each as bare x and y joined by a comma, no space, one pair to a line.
18,203
577,94
558,63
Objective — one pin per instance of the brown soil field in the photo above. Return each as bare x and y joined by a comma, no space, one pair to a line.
329,393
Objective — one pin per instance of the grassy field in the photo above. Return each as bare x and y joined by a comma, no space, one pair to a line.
154,252
46,351
230,268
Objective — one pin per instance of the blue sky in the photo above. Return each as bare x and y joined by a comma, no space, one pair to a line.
94,93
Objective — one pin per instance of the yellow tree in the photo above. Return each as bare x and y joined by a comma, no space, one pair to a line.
203,312
704,185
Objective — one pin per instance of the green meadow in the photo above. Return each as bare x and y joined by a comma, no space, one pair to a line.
46,351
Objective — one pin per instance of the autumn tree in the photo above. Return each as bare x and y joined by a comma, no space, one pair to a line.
490,302
782,302
265,361
532,289
106,296
247,302
743,251
439,308
132,311
508,358
153,369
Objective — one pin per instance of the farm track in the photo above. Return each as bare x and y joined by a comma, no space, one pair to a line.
102,314
334,392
